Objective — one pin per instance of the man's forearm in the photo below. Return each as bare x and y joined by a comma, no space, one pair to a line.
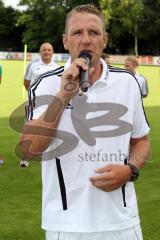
139,151
37,134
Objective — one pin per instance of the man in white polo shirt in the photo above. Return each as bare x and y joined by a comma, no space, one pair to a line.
41,65
35,68
93,144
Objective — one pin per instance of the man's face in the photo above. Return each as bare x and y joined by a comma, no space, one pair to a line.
130,66
85,32
46,52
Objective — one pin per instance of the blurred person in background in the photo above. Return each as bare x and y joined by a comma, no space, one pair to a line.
131,64
106,58
40,65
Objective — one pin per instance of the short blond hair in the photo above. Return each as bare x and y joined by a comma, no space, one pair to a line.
133,59
86,8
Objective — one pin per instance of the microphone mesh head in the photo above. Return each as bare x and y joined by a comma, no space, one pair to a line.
85,54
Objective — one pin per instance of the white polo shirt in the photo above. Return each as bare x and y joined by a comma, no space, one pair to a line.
38,67
95,130
142,83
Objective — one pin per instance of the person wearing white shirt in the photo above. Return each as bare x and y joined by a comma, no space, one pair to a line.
93,144
41,65
131,63
107,58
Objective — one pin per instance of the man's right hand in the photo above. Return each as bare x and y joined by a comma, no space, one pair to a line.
70,79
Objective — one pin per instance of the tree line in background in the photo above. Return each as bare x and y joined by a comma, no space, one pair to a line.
133,25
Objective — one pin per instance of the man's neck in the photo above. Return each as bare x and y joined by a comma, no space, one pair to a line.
46,61
97,72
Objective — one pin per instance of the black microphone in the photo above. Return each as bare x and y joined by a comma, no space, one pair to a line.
84,82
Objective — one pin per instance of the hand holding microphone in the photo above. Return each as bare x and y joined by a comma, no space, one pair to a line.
84,82
76,76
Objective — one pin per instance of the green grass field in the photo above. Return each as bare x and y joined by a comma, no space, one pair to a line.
20,189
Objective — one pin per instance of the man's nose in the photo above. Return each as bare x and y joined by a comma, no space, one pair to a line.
86,38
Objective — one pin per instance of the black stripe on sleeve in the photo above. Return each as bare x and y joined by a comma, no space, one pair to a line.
33,87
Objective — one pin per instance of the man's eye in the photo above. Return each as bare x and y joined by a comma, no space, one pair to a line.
76,33
93,33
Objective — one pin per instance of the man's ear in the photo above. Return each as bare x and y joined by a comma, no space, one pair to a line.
65,41
105,39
